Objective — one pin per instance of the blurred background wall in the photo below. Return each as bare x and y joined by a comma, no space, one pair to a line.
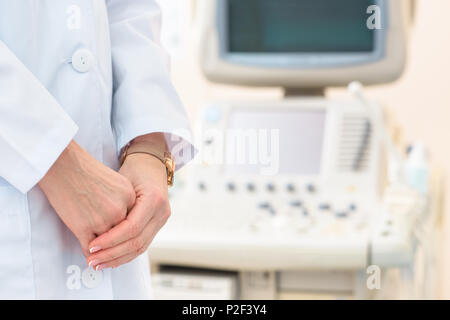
420,100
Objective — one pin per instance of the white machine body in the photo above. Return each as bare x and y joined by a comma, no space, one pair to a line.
318,203
322,209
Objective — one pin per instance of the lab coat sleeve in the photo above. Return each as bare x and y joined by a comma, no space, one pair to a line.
144,99
34,128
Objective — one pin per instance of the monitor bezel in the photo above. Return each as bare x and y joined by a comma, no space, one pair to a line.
309,60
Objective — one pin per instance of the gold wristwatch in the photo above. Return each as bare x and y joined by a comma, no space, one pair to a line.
164,156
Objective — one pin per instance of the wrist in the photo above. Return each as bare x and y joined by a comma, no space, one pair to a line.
143,169
151,146
156,139
154,144
69,160
53,171
144,160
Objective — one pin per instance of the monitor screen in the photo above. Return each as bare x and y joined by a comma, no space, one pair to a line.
275,142
297,26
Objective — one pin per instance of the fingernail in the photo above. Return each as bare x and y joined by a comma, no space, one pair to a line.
93,263
99,267
95,249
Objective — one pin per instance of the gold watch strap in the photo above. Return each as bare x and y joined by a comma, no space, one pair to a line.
152,150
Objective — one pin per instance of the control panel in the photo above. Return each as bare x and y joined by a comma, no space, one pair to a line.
312,199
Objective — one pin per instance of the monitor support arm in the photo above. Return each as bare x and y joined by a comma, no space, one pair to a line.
304,92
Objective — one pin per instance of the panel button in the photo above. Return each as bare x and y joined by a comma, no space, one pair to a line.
296,203
251,187
341,214
231,186
202,186
311,188
324,206
209,141
264,205
270,187
82,60
290,187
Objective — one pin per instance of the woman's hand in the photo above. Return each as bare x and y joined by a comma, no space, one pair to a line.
133,235
89,197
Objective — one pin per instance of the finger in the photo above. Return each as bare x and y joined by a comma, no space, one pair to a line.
131,201
104,227
129,228
116,262
135,246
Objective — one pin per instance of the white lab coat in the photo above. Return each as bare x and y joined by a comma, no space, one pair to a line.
92,70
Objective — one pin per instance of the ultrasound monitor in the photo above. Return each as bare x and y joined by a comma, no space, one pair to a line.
304,43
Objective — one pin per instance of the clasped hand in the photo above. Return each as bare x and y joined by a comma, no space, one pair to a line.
114,215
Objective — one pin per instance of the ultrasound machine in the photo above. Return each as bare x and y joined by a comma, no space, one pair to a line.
304,193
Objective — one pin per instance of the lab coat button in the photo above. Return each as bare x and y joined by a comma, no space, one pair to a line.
91,278
82,60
